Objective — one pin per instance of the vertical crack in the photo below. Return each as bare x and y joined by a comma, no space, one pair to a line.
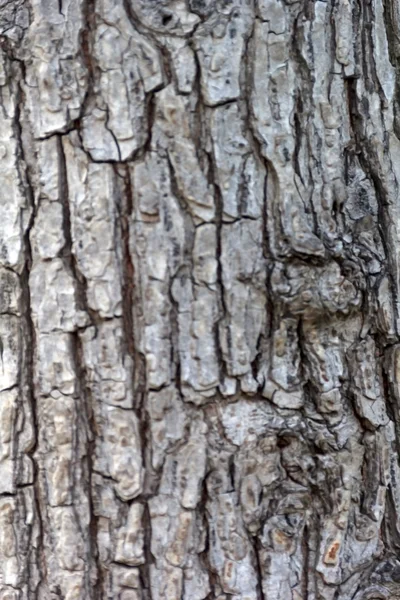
28,339
83,391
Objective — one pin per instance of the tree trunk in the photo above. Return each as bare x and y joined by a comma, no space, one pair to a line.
199,300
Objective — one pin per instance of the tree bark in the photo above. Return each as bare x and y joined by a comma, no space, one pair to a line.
199,300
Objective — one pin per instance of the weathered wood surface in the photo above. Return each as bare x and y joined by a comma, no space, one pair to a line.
199,300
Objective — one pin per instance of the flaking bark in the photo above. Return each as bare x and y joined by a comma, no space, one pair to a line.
199,300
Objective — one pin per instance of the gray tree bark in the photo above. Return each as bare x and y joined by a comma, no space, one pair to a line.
199,299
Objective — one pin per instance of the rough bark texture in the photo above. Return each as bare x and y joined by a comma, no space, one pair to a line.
199,299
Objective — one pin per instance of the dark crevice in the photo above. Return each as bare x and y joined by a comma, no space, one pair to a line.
85,420
28,338
224,312
257,546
